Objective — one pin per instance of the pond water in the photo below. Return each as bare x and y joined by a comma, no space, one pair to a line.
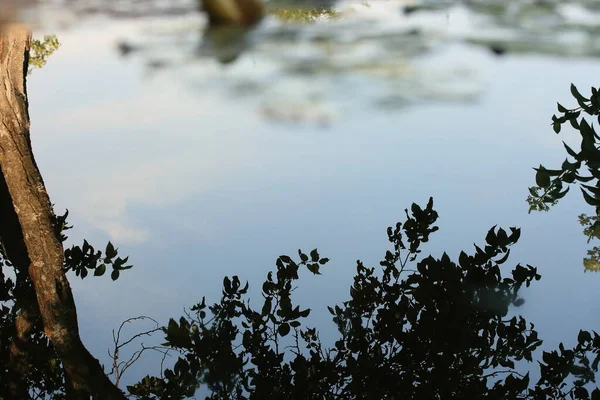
311,135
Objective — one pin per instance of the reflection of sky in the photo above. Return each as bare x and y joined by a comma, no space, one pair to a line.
194,185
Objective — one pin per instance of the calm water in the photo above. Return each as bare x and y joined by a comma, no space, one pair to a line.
316,136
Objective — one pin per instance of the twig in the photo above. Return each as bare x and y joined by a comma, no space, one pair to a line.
508,371
119,367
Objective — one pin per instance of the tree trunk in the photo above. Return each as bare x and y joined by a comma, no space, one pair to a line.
34,239
25,324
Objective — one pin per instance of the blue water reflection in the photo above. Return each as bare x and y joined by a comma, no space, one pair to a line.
195,185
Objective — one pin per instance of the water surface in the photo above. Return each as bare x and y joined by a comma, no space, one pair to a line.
314,136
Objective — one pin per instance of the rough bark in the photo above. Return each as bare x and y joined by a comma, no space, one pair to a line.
35,230
25,301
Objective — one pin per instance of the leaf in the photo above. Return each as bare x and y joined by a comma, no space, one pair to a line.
562,194
416,210
576,93
587,132
305,313
283,329
314,268
491,237
583,336
556,127
110,252
592,189
463,259
542,178
515,234
100,270
571,152
429,204
561,108
114,274
172,328
227,288
303,256
314,255
266,307
118,263
504,258
589,199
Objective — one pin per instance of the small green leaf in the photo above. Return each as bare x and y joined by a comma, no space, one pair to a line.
100,270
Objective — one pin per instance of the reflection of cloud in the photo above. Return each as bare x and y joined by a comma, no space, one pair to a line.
180,151
154,143
146,144
121,233
147,109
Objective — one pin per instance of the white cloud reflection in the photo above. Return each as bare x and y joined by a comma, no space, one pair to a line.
148,142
